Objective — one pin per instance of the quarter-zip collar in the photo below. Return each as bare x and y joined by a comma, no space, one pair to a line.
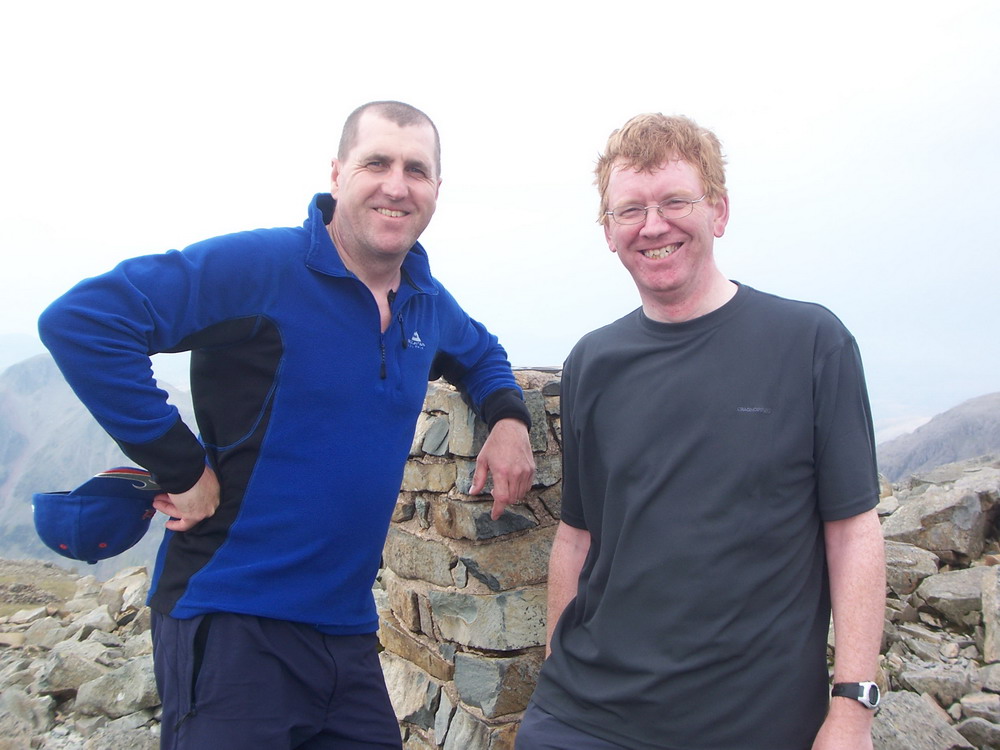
323,257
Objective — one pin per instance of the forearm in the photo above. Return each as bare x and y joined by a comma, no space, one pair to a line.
505,403
569,551
856,563
176,460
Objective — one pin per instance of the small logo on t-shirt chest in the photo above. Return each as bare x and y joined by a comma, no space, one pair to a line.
753,409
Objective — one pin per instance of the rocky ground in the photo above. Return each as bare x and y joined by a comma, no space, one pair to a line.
76,669
31,582
941,647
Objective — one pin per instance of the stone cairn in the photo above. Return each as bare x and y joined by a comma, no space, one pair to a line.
462,616
462,610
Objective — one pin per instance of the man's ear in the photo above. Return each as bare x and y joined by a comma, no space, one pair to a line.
721,218
335,177
607,236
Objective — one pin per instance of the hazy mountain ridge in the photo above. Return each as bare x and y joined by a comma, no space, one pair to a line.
18,347
968,430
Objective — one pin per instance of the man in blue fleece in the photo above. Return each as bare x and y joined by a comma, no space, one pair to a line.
311,348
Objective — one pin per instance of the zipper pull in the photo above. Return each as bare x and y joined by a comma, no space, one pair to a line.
402,331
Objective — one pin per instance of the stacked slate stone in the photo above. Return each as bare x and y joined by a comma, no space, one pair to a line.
941,655
463,607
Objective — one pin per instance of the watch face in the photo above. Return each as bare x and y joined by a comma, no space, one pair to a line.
872,694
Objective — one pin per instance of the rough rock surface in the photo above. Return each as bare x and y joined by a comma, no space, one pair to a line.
941,647
79,676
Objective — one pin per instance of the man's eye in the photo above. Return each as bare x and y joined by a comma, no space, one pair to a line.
375,164
419,171
630,212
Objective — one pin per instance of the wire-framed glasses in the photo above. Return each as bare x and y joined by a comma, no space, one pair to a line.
671,208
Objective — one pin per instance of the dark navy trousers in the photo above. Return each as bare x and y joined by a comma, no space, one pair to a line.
237,681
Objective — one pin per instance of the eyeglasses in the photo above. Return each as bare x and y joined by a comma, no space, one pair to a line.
672,208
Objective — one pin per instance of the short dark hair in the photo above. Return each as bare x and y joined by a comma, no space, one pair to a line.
402,114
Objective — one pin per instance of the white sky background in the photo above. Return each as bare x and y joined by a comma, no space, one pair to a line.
863,141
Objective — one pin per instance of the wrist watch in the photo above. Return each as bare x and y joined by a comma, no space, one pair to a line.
865,693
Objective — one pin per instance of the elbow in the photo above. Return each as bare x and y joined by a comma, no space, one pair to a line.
62,327
52,323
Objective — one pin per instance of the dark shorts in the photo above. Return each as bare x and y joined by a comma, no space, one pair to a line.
235,681
540,730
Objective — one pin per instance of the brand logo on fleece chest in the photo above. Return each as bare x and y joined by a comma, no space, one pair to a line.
415,342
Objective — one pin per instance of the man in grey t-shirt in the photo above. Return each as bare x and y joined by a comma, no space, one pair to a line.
719,493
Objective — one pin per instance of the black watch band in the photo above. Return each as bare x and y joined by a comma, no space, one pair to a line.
865,693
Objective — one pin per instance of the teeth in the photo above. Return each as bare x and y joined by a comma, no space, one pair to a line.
388,212
659,252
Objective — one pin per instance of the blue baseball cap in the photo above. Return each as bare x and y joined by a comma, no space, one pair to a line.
101,518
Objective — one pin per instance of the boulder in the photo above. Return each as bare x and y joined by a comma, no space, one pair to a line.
123,691
945,683
905,721
957,595
907,565
950,520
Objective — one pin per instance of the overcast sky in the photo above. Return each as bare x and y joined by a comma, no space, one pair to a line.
863,141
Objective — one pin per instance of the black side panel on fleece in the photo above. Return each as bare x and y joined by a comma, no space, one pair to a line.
233,370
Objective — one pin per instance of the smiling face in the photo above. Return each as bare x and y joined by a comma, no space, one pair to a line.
671,261
386,191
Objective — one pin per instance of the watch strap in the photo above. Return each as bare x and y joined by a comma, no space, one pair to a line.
866,693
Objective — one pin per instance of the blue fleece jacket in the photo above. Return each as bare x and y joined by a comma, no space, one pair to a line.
306,409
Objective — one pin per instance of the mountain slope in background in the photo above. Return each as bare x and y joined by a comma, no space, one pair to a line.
17,347
968,430
49,442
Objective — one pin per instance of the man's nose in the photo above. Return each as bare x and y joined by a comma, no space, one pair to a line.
394,184
654,225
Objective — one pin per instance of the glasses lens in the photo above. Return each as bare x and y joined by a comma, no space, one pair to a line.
675,208
629,214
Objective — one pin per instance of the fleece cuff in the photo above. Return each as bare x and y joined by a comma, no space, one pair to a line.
176,460
504,403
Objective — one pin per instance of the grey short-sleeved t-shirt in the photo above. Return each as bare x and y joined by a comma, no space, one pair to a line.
703,457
